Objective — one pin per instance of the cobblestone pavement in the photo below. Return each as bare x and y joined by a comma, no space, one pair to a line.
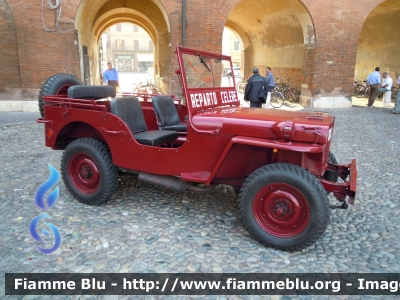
150,229
18,118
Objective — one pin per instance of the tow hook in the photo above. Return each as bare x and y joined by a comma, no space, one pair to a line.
343,206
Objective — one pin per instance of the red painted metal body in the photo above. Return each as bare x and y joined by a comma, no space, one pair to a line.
224,142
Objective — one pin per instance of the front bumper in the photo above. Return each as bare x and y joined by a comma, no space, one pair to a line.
342,189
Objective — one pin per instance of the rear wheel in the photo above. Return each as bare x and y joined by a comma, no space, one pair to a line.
88,171
360,92
293,95
283,206
241,87
56,85
277,99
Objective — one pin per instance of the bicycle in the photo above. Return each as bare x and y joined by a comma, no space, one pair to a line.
287,91
356,87
277,99
148,88
241,85
362,90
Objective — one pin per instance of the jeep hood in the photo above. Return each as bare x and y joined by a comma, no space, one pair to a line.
308,127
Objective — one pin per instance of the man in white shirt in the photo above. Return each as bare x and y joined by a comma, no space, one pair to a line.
386,84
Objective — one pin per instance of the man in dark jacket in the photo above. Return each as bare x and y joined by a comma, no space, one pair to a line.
253,87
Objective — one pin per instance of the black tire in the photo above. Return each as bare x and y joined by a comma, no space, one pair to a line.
360,92
293,95
56,85
238,87
241,87
287,195
277,99
88,171
356,90
330,175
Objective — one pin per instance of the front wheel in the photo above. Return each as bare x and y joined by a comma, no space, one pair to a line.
277,99
284,206
88,171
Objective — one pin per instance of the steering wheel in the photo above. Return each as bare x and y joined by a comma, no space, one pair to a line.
204,83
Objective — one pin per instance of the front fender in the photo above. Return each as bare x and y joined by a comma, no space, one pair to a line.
225,166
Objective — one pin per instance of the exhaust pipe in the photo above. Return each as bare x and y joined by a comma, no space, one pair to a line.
171,182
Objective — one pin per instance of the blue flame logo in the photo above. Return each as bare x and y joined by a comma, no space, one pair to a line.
45,187
40,202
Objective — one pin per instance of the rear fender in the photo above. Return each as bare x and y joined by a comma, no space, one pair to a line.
73,131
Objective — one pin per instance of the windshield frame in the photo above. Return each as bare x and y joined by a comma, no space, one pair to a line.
210,95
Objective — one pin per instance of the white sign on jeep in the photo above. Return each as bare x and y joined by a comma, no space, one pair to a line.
200,100
203,99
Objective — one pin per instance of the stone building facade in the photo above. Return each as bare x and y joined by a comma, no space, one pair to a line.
320,45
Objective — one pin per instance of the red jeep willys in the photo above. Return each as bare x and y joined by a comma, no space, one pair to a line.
278,161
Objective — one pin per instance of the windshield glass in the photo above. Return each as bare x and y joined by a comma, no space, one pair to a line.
205,72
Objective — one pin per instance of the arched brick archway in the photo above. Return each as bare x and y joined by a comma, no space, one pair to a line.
244,42
379,41
94,17
275,33
319,45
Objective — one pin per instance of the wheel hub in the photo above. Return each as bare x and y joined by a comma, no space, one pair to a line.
281,210
84,173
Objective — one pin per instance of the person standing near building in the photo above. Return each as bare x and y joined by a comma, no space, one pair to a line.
386,84
253,87
111,76
270,85
374,80
397,103
386,87
229,75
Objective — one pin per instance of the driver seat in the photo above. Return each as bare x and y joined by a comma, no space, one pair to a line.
167,114
130,111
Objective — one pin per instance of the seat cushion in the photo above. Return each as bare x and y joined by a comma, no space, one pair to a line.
91,91
155,137
177,127
130,111
165,109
